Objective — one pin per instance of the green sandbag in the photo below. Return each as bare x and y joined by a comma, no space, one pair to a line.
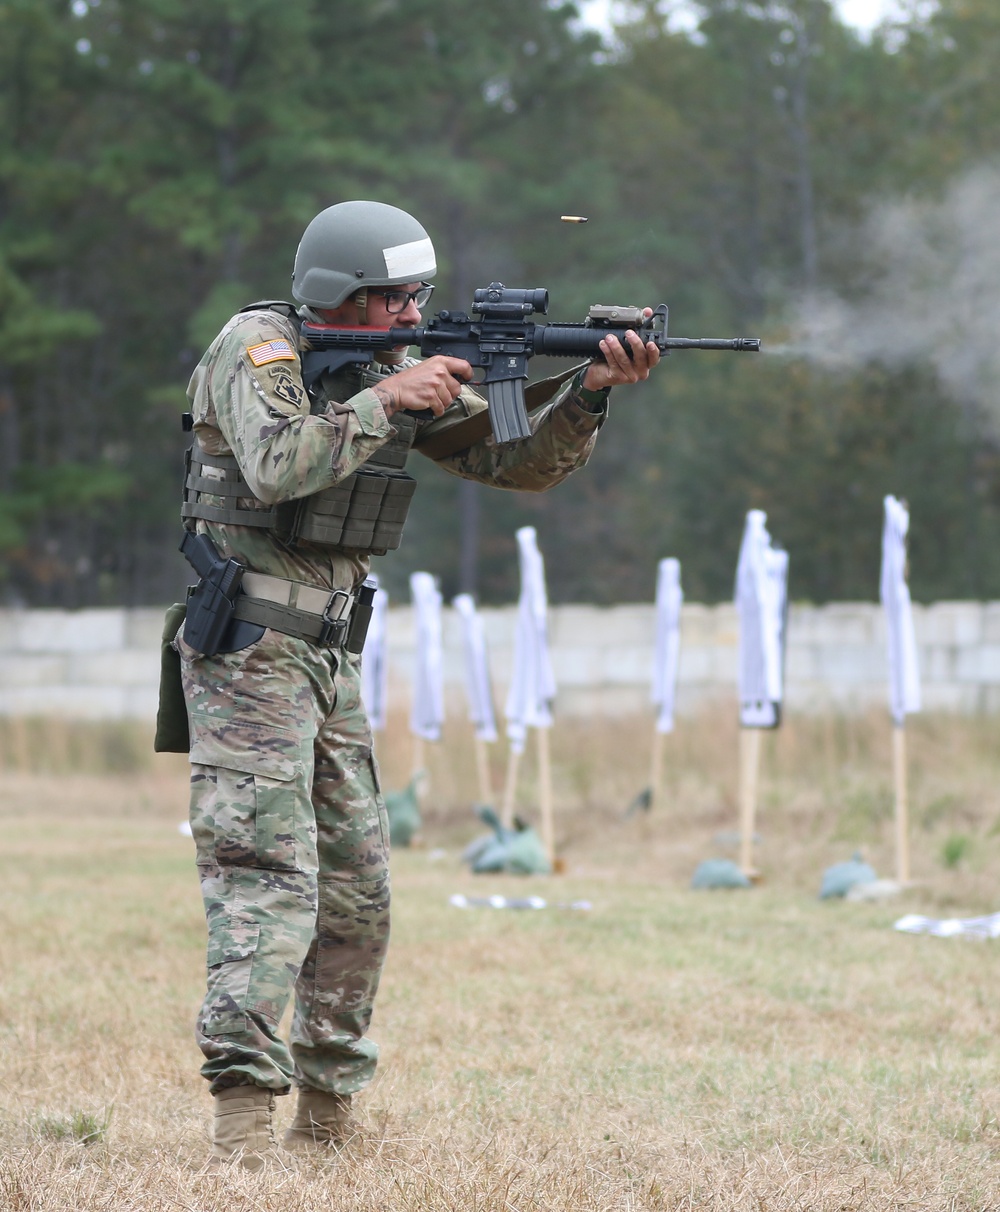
839,879
719,873
526,854
403,811
477,848
517,851
491,858
487,814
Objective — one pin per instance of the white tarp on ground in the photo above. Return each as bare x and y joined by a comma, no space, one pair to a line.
951,927
375,662
427,707
478,690
761,598
667,646
904,677
532,685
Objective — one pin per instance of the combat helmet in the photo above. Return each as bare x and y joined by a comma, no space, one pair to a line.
358,244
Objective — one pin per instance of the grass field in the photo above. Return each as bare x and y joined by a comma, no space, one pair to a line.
667,1049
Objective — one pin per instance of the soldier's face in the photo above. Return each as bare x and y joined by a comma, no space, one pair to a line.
379,302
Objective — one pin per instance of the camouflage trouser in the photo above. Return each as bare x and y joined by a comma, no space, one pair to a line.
292,850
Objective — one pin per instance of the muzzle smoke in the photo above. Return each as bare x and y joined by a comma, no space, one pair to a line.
929,291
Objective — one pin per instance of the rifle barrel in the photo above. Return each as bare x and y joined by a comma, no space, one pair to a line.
738,344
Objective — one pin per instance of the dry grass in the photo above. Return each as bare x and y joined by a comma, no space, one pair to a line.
665,1050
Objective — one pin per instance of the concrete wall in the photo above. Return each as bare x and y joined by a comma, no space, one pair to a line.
105,663
85,664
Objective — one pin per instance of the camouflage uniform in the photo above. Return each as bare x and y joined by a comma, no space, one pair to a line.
286,809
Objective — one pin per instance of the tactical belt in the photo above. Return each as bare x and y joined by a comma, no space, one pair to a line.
302,611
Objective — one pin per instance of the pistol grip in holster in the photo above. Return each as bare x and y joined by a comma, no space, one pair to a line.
211,604
361,616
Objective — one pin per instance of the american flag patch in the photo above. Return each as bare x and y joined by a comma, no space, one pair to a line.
271,351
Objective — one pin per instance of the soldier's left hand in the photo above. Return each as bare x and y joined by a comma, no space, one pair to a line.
618,367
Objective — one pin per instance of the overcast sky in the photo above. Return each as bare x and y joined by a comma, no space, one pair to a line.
862,14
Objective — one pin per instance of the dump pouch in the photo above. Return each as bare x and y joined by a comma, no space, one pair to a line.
171,714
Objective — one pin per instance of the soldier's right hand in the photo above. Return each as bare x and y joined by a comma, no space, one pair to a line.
433,384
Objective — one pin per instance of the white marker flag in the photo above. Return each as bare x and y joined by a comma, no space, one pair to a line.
669,599
904,677
427,708
375,662
478,690
533,684
761,596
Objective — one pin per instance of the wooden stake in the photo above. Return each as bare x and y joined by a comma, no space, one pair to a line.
483,772
419,767
545,793
510,788
749,770
656,769
902,807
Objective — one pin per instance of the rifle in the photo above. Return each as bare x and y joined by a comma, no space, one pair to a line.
499,340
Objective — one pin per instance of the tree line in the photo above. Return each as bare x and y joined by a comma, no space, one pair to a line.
159,159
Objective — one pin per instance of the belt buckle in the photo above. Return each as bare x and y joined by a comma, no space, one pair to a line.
334,630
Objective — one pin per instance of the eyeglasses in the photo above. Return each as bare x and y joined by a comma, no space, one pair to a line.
399,300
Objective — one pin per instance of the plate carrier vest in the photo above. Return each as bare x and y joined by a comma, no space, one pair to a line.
364,512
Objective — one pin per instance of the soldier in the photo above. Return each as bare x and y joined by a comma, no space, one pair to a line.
302,485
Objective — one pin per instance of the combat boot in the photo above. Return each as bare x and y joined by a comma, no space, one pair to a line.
322,1121
243,1131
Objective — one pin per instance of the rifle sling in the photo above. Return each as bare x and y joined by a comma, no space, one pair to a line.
463,434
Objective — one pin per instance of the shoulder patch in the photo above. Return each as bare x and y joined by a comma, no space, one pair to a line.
285,388
271,351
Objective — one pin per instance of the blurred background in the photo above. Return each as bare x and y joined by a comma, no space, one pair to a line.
765,169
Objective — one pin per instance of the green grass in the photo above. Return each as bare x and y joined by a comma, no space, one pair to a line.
956,847
78,1127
